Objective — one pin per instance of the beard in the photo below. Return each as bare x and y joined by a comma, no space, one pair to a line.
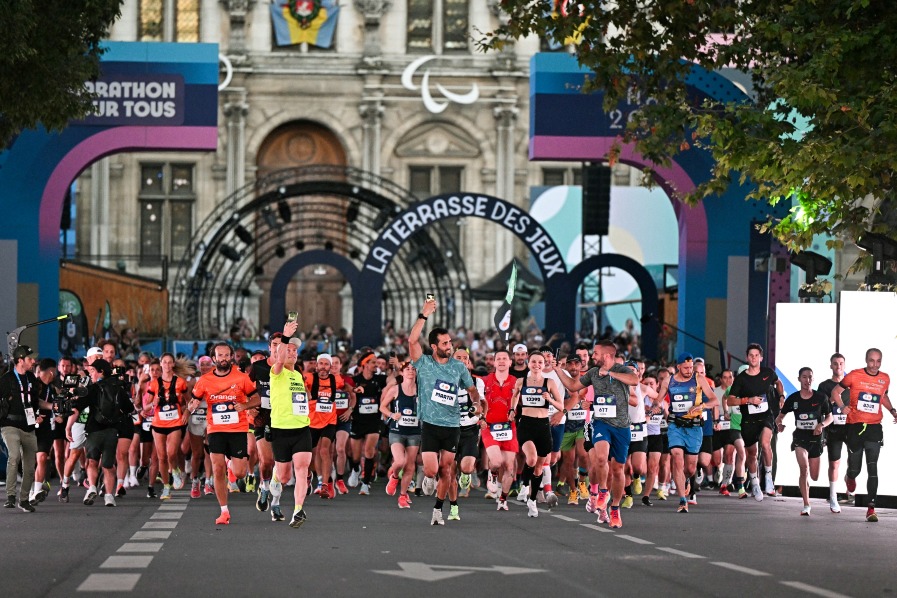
223,365
444,354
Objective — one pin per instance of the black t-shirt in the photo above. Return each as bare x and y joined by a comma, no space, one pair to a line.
13,387
807,413
370,389
746,386
260,373
91,399
519,373
47,393
826,387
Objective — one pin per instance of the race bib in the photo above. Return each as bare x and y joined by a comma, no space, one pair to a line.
340,399
445,393
501,432
804,422
531,396
266,398
408,421
322,406
761,408
168,413
577,415
147,425
224,414
367,406
300,403
840,418
637,432
199,416
664,424
657,419
868,403
604,407
725,424
29,416
682,403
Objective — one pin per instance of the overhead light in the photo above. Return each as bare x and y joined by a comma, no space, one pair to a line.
282,191
320,271
230,253
243,234
352,212
354,254
279,251
268,217
259,270
328,245
283,208
381,219
814,265
300,245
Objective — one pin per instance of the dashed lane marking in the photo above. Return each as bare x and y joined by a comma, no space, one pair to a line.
596,528
633,539
739,569
797,585
140,547
137,561
682,553
109,582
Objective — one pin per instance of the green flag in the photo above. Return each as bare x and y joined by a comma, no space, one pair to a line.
503,315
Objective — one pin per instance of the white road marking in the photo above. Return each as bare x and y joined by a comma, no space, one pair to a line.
155,535
595,527
160,525
140,547
797,585
137,561
168,516
109,582
565,518
739,568
633,539
173,508
688,555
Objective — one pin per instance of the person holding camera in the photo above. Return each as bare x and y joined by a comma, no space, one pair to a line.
19,406
108,401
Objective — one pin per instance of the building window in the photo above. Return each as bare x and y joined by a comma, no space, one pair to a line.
438,26
555,177
166,211
169,21
427,181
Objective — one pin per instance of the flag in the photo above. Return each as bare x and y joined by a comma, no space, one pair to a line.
562,8
304,21
503,315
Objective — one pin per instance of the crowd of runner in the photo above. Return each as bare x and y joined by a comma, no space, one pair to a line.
534,425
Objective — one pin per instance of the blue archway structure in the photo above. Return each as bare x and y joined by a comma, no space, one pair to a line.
717,238
308,258
152,97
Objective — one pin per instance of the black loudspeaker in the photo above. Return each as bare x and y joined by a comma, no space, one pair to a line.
595,199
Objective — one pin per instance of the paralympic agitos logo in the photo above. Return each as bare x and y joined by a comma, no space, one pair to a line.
433,105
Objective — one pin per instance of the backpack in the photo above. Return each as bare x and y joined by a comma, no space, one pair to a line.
110,398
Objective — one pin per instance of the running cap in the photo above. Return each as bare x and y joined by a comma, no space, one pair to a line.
520,347
683,357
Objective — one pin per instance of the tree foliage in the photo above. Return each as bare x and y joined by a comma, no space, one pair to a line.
820,129
48,50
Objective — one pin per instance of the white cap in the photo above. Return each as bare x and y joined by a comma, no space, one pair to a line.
94,351
520,347
297,342
325,357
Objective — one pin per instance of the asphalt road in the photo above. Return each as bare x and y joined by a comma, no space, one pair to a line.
365,546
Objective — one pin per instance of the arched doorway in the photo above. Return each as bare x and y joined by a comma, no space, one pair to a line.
316,288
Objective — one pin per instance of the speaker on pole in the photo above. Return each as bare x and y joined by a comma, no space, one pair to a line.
595,199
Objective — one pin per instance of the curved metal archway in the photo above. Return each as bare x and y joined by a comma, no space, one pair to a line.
320,208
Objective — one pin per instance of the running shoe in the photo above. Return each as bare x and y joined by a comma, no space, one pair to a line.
583,489
223,519
250,483
263,500
133,481
724,490
329,491
437,518
404,503
166,493
551,499
365,490
742,493
341,487
647,501
299,517
532,508
141,472
603,500
492,486
233,487
453,514
318,489
464,493
463,483
683,507
523,494
636,486
120,490
871,517
429,486
834,506
693,499
10,503
276,513
194,489
626,503
90,496
805,512
615,520
353,479
540,497
109,500
661,495
573,497
150,492
756,492
603,517
770,487
502,505
851,484
491,495
29,508
178,479
207,489
41,494
392,485
562,489
592,503
64,494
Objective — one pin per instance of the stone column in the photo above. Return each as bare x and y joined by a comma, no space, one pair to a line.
99,208
169,24
372,10
505,116
371,118
235,111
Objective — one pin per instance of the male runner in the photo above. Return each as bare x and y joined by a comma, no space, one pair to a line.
836,433
499,429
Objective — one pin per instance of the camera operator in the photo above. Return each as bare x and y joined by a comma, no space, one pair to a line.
46,373
19,407
108,402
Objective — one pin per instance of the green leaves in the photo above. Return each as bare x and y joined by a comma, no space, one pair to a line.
820,125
